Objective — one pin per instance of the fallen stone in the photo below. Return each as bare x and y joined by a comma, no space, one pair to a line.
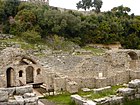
86,89
27,95
19,99
3,96
134,83
116,100
31,100
13,102
126,91
101,89
137,96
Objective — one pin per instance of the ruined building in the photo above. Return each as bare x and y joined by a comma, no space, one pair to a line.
68,72
18,69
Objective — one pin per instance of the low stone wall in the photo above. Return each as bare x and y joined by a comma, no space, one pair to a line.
18,96
130,93
123,94
18,90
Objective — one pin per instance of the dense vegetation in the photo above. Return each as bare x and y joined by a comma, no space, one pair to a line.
36,22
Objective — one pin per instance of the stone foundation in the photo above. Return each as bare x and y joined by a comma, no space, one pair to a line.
18,96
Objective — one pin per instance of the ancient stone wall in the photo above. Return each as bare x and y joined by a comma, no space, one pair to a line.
18,95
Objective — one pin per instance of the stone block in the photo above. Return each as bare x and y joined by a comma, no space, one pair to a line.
19,99
27,95
126,91
24,89
3,96
13,102
72,87
138,90
34,103
137,96
86,89
11,91
134,83
3,103
101,89
77,99
31,100
116,100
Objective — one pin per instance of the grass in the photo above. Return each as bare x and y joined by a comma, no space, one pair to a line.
95,51
61,99
134,102
92,95
64,99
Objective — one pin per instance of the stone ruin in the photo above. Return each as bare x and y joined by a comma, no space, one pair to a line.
18,96
65,72
129,93
112,68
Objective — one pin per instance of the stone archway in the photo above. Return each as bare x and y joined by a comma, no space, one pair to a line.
133,55
133,62
10,77
29,74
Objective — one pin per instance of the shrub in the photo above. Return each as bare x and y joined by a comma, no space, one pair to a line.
31,36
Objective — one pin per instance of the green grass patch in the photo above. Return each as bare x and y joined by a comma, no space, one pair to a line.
134,102
92,95
95,51
64,99
61,99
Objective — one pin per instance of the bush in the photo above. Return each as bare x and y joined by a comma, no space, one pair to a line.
31,36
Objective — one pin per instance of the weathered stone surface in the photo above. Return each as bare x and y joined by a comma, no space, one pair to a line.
86,89
13,102
31,100
116,100
101,100
34,103
3,96
11,91
3,103
134,83
137,96
27,95
24,89
72,87
126,91
101,89
78,99
89,102
19,99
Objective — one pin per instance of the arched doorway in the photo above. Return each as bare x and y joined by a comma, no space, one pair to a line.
10,77
29,74
133,62
133,55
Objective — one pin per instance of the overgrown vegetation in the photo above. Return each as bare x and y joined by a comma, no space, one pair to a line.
34,22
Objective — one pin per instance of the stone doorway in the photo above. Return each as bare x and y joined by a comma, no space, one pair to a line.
10,77
29,74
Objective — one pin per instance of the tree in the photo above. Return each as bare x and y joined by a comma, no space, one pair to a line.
97,4
121,10
87,4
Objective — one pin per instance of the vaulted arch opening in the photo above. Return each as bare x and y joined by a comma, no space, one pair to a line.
29,74
133,55
10,77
